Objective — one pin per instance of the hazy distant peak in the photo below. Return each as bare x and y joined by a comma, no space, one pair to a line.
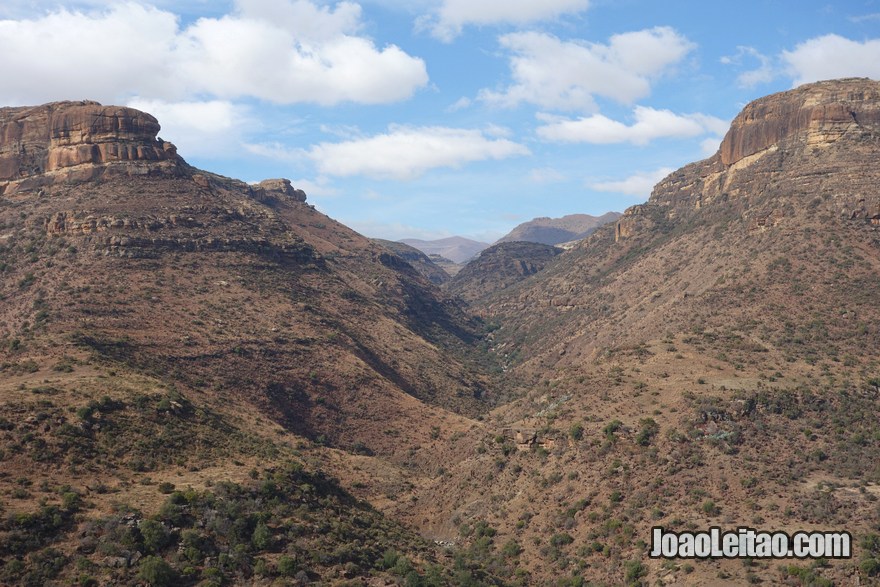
552,231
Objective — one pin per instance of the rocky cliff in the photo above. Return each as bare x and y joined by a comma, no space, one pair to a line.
812,132
77,141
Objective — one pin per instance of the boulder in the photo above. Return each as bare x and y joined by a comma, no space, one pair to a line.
278,187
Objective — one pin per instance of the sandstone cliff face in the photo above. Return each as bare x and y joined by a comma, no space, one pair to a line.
805,136
77,141
815,114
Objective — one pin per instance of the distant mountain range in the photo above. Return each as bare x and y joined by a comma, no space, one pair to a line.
543,230
454,248
553,231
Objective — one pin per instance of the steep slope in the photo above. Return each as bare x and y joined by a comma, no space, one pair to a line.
163,324
553,231
449,266
455,248
499,267
708,360
419,260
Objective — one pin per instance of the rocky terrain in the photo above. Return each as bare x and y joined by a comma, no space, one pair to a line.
165,327
499,267
709,359
208,382
554,231
419,260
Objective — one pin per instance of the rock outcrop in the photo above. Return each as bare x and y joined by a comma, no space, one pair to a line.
776,139
77,141
273,188
815,114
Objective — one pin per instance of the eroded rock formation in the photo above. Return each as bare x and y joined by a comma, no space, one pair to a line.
775,141
77,141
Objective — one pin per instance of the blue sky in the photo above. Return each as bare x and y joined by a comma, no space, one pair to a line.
433,118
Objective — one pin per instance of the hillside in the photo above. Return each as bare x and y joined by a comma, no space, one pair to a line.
553,231
708,360
208,382
163,327
499,267
419,260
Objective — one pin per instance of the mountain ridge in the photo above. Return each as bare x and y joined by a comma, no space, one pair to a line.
457,249
554,231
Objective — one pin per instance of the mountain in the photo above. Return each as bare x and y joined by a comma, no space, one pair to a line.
455,248
553,231
707,360
190,364
419,260
209,382
499,267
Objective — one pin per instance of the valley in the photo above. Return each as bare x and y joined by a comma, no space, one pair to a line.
209,382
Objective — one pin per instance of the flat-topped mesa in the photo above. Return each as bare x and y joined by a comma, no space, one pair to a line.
821,138
815,114
77,141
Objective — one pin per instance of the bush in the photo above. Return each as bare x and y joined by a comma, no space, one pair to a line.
648,431
634,570
511,549
611,428
576,431
562,539
262,536
287,566
389,559
155,535
155,571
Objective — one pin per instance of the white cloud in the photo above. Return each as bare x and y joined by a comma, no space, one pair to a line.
709,146
453,15
104,55
406,152
762,74
833,56
639,184
864,17
568,75
545,175
460,104
649,124
284,51
319,187
393,230
278,151
198,128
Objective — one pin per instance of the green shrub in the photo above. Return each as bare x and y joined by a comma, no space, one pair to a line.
634,570
155,571
649,430
611,428
287,566
561,539
155,535
262,536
